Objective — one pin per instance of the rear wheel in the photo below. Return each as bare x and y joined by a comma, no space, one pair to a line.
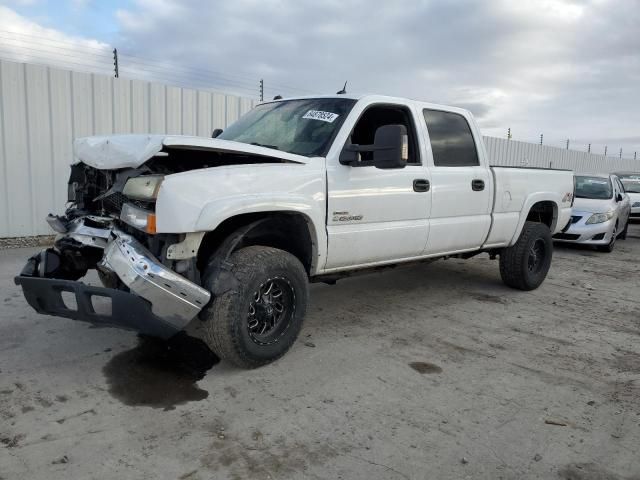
257,321
525,264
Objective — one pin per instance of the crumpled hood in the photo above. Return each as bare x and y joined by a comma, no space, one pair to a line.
590,205
130,151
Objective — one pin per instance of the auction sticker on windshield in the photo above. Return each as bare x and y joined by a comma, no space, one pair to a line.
320,115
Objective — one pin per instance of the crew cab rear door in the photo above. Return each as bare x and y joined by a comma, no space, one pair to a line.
377,215
461,182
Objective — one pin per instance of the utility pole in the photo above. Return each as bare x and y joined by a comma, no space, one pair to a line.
540,139
115,62
589,149
605,150
509,133
261,90
635,155
567,144
620,153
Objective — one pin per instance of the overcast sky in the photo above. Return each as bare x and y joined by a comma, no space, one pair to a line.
567,69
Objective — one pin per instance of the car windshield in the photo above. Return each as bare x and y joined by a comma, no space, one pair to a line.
631,186
631,182
305,127
593,187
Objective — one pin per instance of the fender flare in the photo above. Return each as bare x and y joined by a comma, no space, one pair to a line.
530,201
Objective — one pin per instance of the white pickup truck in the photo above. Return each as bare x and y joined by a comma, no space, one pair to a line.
231,229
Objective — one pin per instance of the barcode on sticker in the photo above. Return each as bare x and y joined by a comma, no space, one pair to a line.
320,115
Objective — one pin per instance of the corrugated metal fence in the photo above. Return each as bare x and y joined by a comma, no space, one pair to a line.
521,154
42,109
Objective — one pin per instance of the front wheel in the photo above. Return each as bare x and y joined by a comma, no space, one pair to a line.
257,321
623,234
525,264
608,248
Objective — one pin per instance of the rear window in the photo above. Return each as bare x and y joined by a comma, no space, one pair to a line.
451,139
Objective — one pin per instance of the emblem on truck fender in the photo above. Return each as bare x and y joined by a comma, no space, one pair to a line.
345,217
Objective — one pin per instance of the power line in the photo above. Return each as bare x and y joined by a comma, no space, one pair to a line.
41,47
51,53
48,63
157,66
250,80
48,40
181,78
178,74
165,63
39,51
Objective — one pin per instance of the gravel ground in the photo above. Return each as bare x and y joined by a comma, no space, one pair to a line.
424,372
18,242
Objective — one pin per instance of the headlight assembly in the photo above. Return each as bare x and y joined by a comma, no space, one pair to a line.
139,218
144,187
600,218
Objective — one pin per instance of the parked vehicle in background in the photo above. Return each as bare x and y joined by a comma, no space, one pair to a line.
232,228
600,212
631,183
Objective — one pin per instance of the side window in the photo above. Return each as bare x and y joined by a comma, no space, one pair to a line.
376,116
620,186
451,139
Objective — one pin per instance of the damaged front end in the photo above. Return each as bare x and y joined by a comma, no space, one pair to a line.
110,227
148,297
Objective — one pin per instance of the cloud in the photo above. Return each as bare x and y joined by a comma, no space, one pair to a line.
23,40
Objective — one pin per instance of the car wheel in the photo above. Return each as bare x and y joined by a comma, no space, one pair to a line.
608,248
258,320
623,234
525,264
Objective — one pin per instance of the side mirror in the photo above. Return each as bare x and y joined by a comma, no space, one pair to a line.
390,147
216,133
619,197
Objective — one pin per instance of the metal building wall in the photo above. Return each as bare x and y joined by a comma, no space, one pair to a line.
42,109
503,152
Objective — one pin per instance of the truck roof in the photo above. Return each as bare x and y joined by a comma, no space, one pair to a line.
378,98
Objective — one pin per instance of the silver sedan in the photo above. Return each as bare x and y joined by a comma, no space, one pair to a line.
600,212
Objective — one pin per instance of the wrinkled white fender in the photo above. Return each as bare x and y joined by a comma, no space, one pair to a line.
200,200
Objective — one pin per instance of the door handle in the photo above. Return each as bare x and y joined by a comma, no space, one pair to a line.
477,185
421,185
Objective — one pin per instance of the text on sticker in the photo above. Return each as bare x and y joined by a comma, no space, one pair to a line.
320,115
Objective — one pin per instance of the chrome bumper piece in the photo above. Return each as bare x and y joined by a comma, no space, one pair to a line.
173,298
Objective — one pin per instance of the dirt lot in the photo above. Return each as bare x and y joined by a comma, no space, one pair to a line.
426,372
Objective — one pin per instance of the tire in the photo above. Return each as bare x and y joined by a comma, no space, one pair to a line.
250,329
623,234
525,264
608,248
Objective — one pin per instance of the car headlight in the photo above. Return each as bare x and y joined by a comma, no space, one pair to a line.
600,218
139,218
144,187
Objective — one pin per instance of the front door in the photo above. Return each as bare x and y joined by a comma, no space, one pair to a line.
377,215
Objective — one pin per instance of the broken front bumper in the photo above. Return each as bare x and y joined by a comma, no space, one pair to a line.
160,302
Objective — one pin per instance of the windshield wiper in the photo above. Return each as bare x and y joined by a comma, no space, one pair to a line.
263,145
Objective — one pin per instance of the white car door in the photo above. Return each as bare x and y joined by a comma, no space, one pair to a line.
461,186
377,215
